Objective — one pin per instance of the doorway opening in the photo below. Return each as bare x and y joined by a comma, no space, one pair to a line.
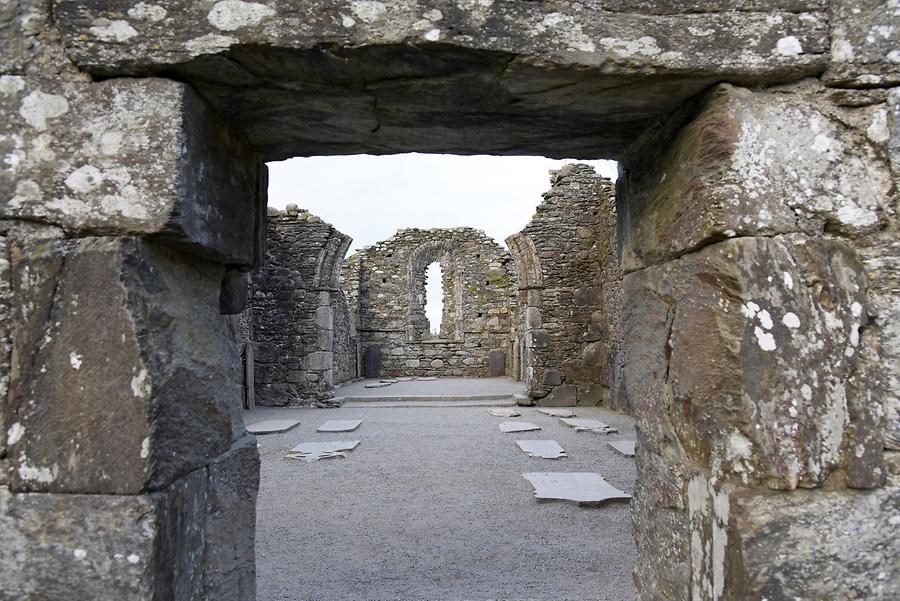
436,309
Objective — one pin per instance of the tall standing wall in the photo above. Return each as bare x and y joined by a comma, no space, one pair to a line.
293,302
570,292
386,287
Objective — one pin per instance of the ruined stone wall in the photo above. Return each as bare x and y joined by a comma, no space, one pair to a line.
570,291
387,288
294,299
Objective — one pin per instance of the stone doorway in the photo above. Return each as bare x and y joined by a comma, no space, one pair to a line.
757,221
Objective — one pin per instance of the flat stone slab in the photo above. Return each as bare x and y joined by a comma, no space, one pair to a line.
584,488
406,379
623,447
389,380
313,451
340,425
518,427
378,385
557,412
504,412
543,449
427,378
272,426
588,425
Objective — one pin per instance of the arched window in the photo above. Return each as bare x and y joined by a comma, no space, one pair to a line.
434,298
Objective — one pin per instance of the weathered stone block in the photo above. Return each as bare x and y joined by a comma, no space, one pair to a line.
564,395
662,528
864,49
141,157
6,303
104,547
540,338
552,377
725,327
819,545
611,72
20,23
749,163
106,395
229,563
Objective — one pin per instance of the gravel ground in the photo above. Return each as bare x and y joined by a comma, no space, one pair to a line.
432,506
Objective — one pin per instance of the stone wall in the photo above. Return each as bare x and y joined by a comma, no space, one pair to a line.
570,292
385,285
294,299
758,330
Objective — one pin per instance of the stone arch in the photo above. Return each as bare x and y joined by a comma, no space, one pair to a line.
328,268
528,265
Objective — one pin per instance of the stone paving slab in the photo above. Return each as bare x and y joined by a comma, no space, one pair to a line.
340,425
518,427
272,426
313,451
504,412
584,488
623,447
542,449
555,412
588,425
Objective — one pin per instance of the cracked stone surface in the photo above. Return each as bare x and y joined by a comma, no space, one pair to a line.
622,447
314,451
271,426
504,412
339,425
543,449
588,425
518,427
557,412
581,487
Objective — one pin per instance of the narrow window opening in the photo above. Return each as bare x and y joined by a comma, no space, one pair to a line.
434,298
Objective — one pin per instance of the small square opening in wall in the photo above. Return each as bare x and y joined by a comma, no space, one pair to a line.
384,280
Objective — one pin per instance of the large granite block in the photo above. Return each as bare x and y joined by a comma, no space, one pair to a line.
588,77
230,561
747,362
124,375
864,47
819,545
20,23
127,157
747,164
58,547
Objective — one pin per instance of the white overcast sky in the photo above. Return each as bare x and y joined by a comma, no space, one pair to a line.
370,197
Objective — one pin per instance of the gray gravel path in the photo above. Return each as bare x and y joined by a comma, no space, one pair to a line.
432,506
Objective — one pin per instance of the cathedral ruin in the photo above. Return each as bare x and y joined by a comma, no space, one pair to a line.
741,300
